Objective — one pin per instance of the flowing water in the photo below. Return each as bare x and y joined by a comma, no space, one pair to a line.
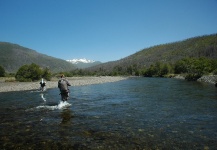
137,113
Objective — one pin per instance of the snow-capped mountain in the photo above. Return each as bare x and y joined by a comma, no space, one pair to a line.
82,60
84,63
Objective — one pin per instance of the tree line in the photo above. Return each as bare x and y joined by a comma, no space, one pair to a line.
191,68
28,73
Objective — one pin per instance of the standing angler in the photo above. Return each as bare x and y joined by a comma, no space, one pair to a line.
63,86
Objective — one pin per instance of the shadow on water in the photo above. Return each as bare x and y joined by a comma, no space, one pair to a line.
138,113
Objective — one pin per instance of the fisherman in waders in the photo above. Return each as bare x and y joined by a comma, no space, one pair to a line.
63,86
43,84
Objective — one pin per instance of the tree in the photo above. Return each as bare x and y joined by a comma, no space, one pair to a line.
181,66
46,74
35,71
28,73
2,71
151,71
164,70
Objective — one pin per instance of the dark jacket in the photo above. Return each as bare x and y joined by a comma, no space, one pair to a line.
63,85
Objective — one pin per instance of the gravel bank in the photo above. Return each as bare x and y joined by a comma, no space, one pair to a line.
209,79
75,81
212,79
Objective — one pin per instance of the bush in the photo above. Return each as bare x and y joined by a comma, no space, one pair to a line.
33,72
46,74
192,77
215,72
2,71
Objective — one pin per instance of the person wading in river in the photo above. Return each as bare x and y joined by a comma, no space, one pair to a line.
43,84
63,84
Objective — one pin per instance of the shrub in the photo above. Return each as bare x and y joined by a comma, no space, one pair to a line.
215,72
192,77
46,74
33,72
2,71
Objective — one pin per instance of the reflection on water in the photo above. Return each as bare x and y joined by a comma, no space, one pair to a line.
139,113
66,116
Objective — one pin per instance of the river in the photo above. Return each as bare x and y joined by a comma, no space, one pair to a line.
137,113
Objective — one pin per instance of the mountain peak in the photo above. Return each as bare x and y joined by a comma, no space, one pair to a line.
81,60
83,63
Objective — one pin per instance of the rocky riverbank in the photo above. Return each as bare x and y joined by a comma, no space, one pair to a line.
212,79
80,81
75,81
209,79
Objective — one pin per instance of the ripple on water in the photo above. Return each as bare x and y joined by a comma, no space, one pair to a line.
138,113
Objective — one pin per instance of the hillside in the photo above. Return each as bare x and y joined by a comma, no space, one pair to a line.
204,46
13,56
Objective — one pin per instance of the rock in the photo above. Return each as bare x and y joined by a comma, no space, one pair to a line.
179,77
208,79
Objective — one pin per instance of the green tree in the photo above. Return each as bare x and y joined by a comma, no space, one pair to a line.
164,70
151,71
46,74
130,70
2,71
36,72
196,67
181,66
28,73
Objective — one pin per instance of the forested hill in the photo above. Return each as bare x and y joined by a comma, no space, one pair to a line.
203,46
13,56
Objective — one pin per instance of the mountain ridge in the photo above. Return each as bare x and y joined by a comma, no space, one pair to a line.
200,46
13,56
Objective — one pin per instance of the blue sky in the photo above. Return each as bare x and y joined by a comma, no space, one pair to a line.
103,30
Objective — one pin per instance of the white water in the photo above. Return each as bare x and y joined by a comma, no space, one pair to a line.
42,96
61,105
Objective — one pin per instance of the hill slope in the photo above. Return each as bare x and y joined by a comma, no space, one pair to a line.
204,46
13,56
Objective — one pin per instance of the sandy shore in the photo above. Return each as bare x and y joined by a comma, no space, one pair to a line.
75,81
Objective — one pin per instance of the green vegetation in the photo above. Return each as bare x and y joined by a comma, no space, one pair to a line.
158,69
195,67
2,71
32,72
193,58
197,47
191,68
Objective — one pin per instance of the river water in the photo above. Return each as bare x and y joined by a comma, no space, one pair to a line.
137,113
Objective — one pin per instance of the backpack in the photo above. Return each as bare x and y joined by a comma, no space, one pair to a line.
63,85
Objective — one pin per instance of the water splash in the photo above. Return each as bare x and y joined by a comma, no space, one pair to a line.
61,105
42,96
